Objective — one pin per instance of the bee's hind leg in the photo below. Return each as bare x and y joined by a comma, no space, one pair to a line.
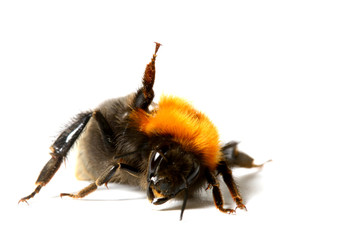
63,144
59,150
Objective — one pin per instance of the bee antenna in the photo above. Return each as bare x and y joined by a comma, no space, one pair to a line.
185,199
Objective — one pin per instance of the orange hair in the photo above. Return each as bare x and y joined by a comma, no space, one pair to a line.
192,129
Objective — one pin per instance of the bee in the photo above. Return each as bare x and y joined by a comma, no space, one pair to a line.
169,149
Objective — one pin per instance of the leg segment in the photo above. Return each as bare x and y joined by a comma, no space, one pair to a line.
218,199
64,142
59,150
145,94
236,158
225,171
83,192
103,179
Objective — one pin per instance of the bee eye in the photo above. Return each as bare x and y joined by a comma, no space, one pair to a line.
155,159
157,156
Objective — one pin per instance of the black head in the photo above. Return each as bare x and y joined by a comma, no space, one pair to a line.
171,171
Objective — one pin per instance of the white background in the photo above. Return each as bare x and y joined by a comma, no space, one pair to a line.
282,77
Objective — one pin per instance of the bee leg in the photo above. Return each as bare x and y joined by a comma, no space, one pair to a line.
103,179
234,157
226,173
59,150
145,94
218,199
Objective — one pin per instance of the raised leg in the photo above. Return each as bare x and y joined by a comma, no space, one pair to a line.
225,171
218,199
59,150
145,94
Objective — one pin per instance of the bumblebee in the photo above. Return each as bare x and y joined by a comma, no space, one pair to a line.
169,149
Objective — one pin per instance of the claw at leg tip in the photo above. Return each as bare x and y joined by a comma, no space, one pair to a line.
23,200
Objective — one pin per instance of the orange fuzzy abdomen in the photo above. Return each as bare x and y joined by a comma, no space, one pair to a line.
187,126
